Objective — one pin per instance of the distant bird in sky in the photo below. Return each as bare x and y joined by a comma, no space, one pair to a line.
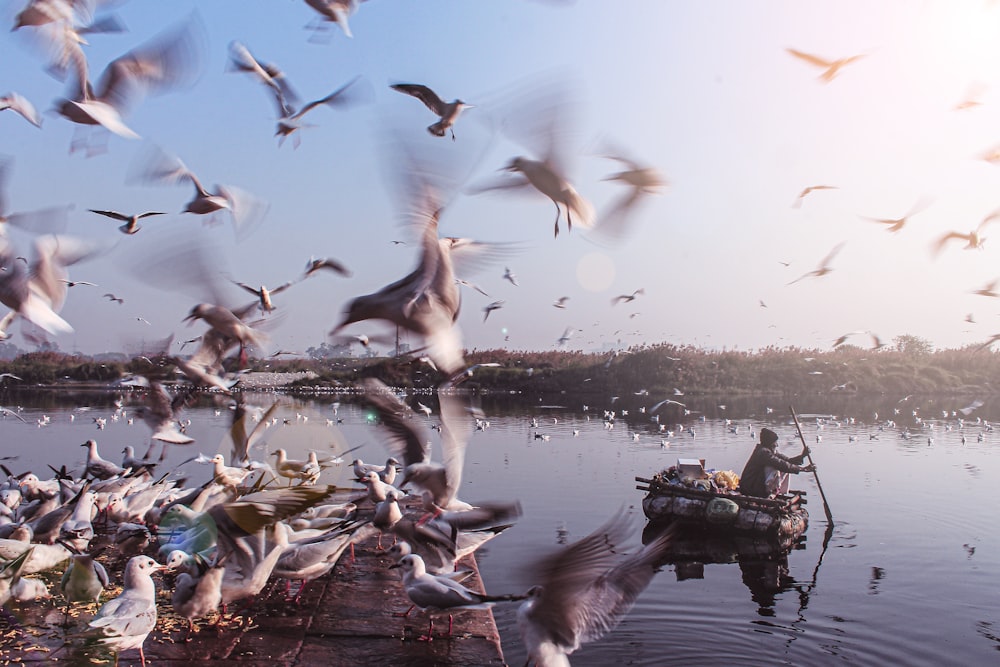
896,224
508,275
824,266
314,265
264,294
812,188
496,305
971,99
22,106
762,304
989,289
830,67
74,283
560,302
627,298
970,319
973,239
131,225
564,339
448,112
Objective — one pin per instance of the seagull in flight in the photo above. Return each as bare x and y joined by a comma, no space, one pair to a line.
627,297
131,225
824,266
496,305
560,302
348,94
264,294
22,106
973,240
508,275
585,590
448,112
989,289
896,224
830,67
812,188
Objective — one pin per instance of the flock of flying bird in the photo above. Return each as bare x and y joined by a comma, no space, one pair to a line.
227,538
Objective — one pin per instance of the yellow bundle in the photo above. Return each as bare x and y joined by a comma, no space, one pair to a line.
726,479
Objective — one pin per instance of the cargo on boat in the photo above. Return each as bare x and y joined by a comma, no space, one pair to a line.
689,494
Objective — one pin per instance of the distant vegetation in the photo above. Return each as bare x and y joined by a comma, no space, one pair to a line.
909,366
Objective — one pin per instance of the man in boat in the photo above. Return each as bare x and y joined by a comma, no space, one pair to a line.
766,471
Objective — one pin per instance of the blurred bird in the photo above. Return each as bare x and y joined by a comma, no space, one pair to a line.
627,298
22,106
314,265
798,200
560,302
447,111
824,266
350,93
154,166
131,225
642,181
830,67
241,60
336,11
507,275
989,289
168,61
584,592
111,297
896,224
496,305
973,240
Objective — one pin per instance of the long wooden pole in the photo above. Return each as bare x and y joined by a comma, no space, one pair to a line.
826,506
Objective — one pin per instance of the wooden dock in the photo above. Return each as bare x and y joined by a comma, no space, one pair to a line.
349,617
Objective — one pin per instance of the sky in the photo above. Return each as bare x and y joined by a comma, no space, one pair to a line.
705,92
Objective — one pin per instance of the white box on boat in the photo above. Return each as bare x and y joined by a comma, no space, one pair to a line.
691,468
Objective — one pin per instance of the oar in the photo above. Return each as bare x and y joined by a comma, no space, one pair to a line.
826,506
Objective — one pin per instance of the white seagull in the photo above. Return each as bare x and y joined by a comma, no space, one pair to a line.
448,112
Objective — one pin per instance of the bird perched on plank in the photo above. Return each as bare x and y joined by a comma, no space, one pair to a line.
448,112
124,622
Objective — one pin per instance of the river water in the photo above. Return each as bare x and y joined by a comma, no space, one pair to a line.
908,575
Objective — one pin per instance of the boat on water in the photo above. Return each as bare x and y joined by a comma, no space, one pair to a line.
688,494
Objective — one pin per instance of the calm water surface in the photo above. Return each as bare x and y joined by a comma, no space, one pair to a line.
909,575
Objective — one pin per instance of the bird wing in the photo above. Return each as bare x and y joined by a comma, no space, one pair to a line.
938,245
456,428
833,253
422,93
22,106
111,214
346,95
564,606
408,436
248,288
809,58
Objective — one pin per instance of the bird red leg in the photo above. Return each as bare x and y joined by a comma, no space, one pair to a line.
429,637
450,621
142,657
299,594
404,614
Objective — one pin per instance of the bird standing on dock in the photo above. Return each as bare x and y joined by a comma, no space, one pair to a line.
124,622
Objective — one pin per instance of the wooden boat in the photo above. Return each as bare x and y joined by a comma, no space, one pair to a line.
783,518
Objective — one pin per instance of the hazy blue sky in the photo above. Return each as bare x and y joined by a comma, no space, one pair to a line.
704,91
